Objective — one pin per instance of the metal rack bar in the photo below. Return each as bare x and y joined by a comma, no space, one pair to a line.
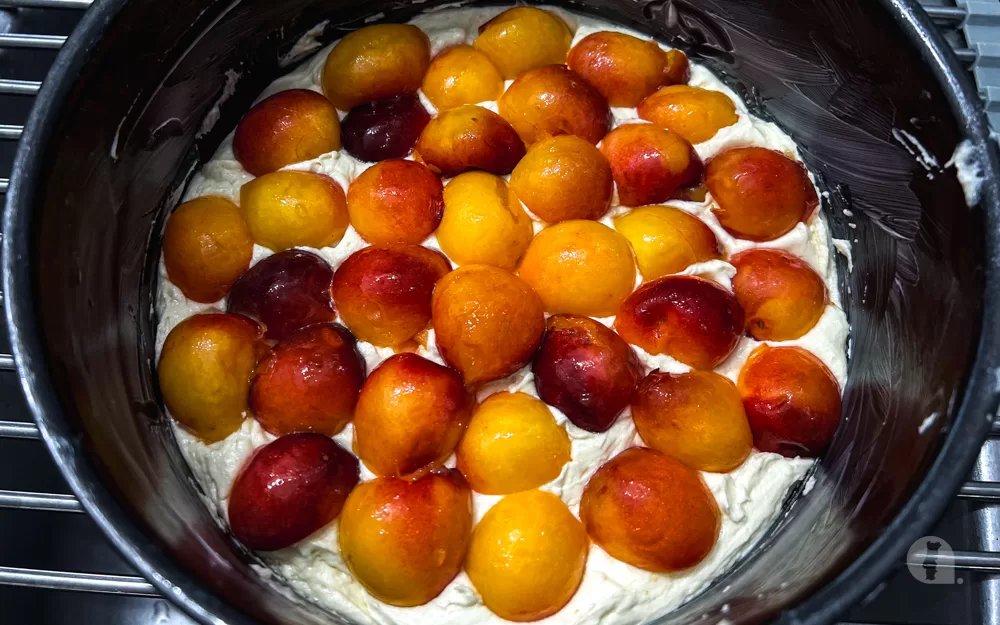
953,16
51,502
7,362
82,582
4,183
46,4
19,87
981,491
17,429
18,40
961,560
9,132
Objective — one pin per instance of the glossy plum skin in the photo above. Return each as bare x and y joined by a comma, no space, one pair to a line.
513,443
760,194
586,371
667,240
410,415
461,75
554,100
562,178
395,201
522,39
309,382
384,294
374,63
288,209
782,295
405,541
288,127
695,114
623,68
384,129
470,137
206,246
649,164
691,319
487,322
204,372
695,417
650,511
285,291
527,556
290,488
791,399
677,70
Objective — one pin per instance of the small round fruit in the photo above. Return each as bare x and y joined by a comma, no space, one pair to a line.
579,267
384,129
206,246
513,443
649,510
527,556
288,127
309,382
470,137
395,201
667,240
204,373
694,113
586,371
691,319
791,399
461,75
623,68
695,417
405,541
409,417
487,322
555,100
384,294
523,38
649,164
564,178
760,194
677,71
294,209
782,296
285,291
290,488
483,222
374,63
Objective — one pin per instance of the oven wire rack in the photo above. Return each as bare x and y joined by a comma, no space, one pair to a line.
971,26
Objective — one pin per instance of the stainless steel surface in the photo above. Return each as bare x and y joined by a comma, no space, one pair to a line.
16,429
52,502
83,582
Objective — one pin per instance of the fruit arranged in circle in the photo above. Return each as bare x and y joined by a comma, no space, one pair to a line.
580,267
649,164
309,382
555,100
206,246
406,540
649,510
289,489
527,556
782,296
469,137
409,417
513,443
204,373
384,129
677,71
487,322
760,194
667,240
384,294
461,75
395,201
695,417
791,399
522,39
294,208
483,222
374,63
288,127
564,178
623,68
586,371
285,291
694,113
691,319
